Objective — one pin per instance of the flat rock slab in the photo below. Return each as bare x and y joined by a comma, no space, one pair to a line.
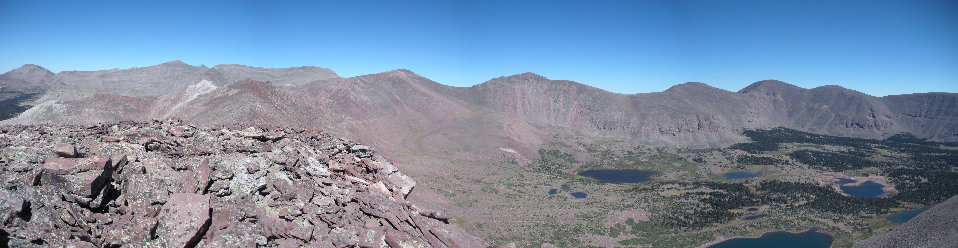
63,166
183,220
80,176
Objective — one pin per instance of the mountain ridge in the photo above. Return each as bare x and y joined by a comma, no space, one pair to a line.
689,114
525,75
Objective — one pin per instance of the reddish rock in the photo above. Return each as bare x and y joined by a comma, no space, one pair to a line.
10,205
62,166
83,177
399,239
267,189
183,219
203,172
65,150
403,183
80,244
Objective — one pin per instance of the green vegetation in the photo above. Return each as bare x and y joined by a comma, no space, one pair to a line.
756,160
689,203
924,187
833,161
553,161
11,103
822,198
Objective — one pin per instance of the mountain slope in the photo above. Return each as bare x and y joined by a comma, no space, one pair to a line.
691,114
936,227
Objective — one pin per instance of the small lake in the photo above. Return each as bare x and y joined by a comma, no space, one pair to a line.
809,239
740,175
752,217
696,150
868,189
619,176
905,215
843,181
553,191
578,195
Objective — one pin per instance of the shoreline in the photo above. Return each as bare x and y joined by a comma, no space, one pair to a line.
723,239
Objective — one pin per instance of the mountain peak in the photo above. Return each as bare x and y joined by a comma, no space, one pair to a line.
522,77
691,87
175,62
28,72
400,72
528,75
769,85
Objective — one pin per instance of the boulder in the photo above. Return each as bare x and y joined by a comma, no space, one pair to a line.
183,220
65,150
84,177
402,182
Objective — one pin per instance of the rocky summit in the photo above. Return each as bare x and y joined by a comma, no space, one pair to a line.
170,184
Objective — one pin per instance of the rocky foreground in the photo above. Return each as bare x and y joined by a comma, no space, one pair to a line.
168,184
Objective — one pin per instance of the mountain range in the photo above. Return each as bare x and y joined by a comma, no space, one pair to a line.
475,150
516,110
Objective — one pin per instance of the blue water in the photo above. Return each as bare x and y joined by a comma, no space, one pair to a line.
867,189
843,181
619,176
905,215
565,187
553,191
578,195
740,175
809,239
752,217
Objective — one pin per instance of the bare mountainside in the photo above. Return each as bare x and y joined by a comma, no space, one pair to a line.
691,114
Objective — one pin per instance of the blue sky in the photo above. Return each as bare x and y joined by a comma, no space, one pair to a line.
877,47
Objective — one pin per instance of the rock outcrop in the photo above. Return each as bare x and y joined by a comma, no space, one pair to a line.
168,184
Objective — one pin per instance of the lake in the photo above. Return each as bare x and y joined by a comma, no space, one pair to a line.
578,195
843,181
868,189
809,239
740,175
553,191
619,176
752,217
905,215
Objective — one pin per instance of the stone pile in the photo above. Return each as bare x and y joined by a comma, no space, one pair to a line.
169,184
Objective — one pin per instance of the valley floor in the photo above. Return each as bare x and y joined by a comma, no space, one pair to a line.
688,203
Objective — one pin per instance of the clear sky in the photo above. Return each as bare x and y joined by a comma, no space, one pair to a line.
877,47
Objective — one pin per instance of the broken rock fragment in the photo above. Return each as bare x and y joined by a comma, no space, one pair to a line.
183,220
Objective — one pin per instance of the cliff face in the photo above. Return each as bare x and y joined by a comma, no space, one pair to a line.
168,184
